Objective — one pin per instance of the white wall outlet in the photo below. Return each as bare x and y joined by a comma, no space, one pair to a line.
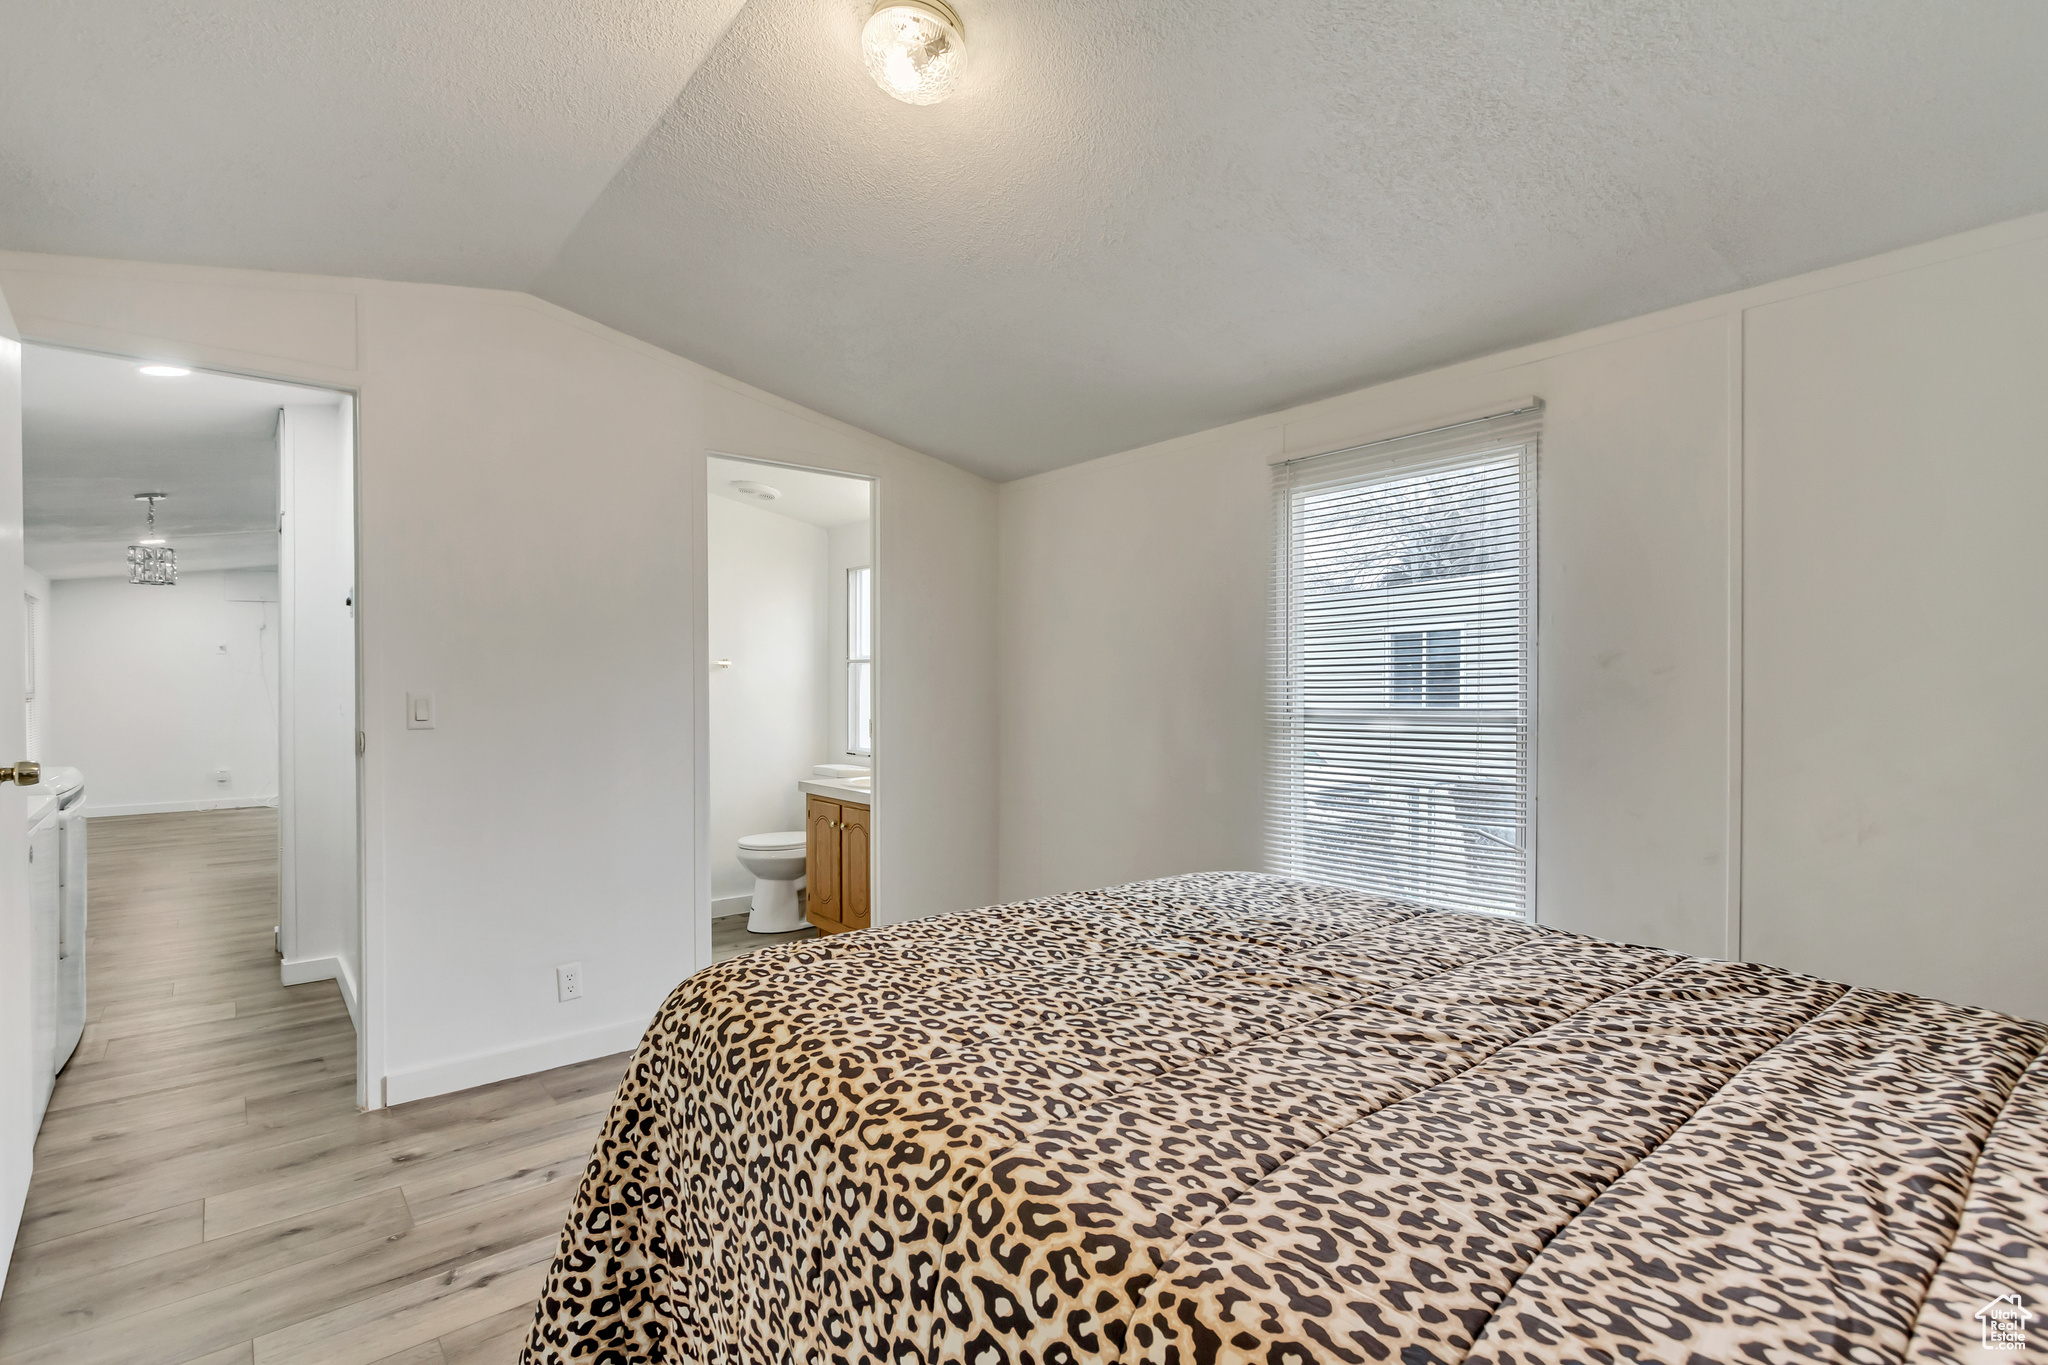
569,981
419,710
223,778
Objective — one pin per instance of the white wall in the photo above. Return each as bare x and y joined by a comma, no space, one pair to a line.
1858,826
36,586
850,549
767,614
532,495
146,702
320,925
1896,630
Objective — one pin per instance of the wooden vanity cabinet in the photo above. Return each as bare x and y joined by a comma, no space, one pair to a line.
853,865
836,864
821,864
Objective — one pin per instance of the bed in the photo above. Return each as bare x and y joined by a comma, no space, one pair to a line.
1238,1117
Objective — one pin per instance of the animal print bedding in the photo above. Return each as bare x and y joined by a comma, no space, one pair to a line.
1235,1117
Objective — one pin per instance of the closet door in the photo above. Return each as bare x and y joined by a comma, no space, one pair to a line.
853,866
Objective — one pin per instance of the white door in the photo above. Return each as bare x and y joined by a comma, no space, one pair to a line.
18,1065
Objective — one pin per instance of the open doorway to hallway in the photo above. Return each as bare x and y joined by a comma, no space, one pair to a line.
206,1185
190,687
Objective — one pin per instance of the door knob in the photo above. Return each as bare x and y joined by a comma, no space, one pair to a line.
27,773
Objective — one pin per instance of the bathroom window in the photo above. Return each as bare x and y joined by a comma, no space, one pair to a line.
1403,720
860,664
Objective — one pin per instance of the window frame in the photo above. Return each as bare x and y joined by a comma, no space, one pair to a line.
1291,837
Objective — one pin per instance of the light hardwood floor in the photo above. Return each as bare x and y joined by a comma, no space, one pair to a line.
205,1189
729,937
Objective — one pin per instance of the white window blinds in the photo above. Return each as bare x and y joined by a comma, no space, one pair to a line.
860,667
1404,666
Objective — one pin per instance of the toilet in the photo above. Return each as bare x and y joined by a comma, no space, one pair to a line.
777,862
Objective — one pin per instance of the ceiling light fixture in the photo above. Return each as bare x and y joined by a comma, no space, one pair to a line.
764,492
915,49
164,371
150,561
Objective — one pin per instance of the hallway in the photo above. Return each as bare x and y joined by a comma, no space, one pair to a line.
205,1189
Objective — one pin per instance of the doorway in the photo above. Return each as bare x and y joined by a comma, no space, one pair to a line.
190,672
793,771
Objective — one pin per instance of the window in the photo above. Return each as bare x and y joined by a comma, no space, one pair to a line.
860,666
1404,679
1424,668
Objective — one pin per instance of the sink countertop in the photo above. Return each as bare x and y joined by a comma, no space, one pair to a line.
833,789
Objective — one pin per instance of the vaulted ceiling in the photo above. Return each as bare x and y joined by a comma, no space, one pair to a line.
1132,221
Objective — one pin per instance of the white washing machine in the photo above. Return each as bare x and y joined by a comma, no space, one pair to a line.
56,908
45,912
68,786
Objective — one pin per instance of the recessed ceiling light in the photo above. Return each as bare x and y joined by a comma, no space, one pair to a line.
914,49
164,371
765,492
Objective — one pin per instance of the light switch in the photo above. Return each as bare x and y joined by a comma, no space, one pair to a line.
419,710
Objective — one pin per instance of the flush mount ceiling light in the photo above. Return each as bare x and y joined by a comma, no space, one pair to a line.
914,49
762,491
164,371
150,561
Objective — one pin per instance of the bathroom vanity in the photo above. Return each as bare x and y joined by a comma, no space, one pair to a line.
836,860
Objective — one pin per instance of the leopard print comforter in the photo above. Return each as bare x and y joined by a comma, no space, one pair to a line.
1236,1117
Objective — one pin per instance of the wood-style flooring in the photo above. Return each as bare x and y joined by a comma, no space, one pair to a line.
205,1188
729,937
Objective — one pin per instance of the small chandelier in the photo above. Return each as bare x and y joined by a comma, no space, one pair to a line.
914,49
151,561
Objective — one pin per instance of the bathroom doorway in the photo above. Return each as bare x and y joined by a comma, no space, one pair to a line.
791,744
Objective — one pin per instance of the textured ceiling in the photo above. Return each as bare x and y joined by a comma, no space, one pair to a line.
95,433
449,140
1132,221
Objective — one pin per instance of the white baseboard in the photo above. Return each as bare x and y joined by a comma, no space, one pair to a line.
725,906
346,979
466,1073
166,807
298,971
